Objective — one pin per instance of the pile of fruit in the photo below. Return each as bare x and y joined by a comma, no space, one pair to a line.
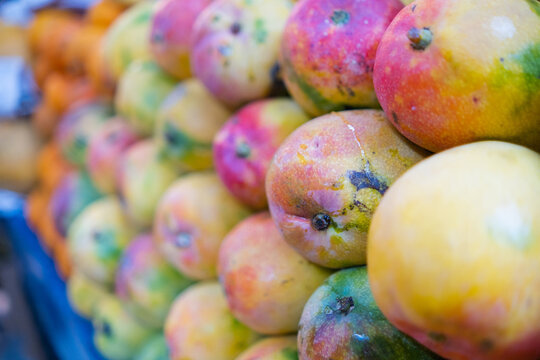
219,173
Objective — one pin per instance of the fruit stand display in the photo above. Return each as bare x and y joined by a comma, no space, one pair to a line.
280,180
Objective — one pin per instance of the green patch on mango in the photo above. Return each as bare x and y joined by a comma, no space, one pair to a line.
529,60
179,144
260,33
289,354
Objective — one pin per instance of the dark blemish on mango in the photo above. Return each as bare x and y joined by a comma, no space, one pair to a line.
321,222
236,28
105,328
340,17
413,8
438,337
344,305
242,150
475,99
420,39
395,117
366,179
158,37
225,50
486,344
182,240
501,59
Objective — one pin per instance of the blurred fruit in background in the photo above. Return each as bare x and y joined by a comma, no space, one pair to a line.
154,349
191,221
245,146
171,32
200,326
104,12
272,348
187,121
84,293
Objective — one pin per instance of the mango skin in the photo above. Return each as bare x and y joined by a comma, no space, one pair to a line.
328,52
127,39
187,121
170,34
478,79
78,127
143,178
84,293
105,152
200,326
141,90
245,145
154,349
117,335
146,283
97,238
266,282
458,269
335,168
341,321
71,196
192,219
272,348
235,48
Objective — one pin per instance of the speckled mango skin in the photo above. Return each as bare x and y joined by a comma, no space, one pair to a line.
192,219
328,52
478,79
458,269
336,166
266,282
235,48
105,152
146,283
78,127
117,335
72,195
143,178
141,90
97,238
84,293
127,39
187,121
170,34
341,321
272,348
201,327
154,349
245,145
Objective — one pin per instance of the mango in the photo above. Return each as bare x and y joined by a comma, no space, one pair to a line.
127,39
328,52
235,48
141,90
192,219
266,282
170,34
341,321
143,178
97,238
272,348
327,178
454,252
146,283
245,145
117,335
200,326
187,121
449,73
105,153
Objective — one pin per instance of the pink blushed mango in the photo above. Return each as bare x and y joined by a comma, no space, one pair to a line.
105,151
235,48
328,177
170,34
244,147
273,348
267,283
328,52
200,326
192,219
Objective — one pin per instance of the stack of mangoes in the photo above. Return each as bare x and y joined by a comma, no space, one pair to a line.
320,179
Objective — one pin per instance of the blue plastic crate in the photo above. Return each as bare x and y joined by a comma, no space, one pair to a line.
69,334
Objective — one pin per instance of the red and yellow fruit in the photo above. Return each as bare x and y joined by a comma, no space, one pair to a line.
328,177
328,52
451,72
245,145
454,252
272,348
